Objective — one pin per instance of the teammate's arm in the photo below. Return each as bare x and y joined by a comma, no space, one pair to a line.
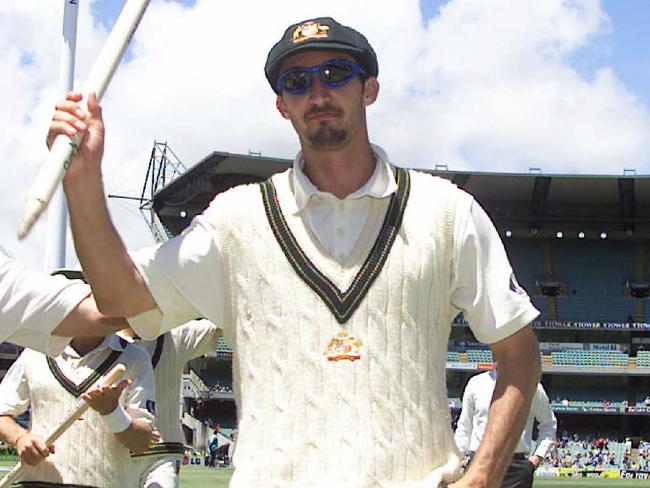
15,400
135,434
31,448
117,285
547,426
519,372
85,320
35,306
138,436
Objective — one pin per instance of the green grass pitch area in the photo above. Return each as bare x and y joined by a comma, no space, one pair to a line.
191,476
200,477
587,482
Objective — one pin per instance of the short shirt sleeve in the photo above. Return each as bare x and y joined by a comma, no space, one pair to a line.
197,338
184,276
484,286
33,304
14,388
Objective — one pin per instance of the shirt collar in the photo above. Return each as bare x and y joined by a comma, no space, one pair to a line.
380,185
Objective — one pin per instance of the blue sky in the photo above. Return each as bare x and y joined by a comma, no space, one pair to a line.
626,47
479,85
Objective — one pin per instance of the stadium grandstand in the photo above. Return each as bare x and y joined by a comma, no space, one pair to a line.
579,245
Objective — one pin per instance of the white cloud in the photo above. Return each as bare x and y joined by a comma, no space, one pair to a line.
485,85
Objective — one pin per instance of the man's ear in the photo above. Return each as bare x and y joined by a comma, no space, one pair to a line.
370,91
279,104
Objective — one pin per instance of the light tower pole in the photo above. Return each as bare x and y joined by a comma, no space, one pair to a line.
57,214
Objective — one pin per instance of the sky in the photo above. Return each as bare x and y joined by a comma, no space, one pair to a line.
479,85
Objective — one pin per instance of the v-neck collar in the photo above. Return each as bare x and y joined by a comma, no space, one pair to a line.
155,357
341,303
77,389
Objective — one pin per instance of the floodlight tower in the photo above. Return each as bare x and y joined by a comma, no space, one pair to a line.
164,167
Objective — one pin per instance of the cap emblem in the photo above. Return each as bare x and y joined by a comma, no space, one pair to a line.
309,30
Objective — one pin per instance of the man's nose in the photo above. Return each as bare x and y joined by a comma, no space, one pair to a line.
318,91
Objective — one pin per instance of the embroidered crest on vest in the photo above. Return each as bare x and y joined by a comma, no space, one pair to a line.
341,304
343,347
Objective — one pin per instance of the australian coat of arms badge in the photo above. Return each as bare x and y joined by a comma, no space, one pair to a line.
343,347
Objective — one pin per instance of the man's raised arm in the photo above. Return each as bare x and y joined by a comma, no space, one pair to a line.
519,369
118,288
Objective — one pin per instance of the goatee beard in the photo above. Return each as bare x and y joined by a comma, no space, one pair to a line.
327,138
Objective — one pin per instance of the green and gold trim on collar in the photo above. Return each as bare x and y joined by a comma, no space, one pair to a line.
73,388
162,448
155,357
341,304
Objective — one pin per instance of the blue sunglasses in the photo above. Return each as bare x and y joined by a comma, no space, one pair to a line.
332,74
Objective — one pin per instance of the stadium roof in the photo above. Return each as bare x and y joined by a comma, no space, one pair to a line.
543,203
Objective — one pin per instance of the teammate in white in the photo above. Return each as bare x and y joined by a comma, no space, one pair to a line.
43,312
169,354
95,450
473,421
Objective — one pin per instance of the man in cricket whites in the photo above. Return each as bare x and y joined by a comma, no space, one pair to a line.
335,283
95,450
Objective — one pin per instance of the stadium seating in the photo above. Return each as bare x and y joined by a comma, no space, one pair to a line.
527,260
223,349
479,355
595,279
643,359
453,356
586,396
581,454
587,358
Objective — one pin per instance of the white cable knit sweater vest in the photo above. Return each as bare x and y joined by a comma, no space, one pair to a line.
87,454
305,420
168,365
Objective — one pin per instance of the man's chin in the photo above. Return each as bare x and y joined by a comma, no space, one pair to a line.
328,144
325,149
328,138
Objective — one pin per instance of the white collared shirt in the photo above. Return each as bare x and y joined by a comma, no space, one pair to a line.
337,223
474,417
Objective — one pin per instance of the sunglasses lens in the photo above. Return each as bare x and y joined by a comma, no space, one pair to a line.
332,74
336,73
295,81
